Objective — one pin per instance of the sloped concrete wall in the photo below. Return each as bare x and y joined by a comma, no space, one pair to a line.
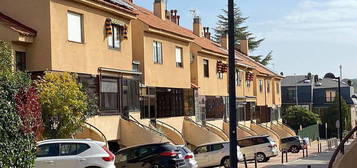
197,135
132,134
242,133
260,130
348,160
176,138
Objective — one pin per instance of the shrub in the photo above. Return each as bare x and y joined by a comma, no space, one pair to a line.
64,104
296,116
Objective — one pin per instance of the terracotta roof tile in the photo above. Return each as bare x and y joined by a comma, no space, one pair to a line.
259,67
16,26
150,19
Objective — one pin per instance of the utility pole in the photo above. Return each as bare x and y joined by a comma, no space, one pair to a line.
296,91
340,107
232,88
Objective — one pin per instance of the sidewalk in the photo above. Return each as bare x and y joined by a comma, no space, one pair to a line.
320,160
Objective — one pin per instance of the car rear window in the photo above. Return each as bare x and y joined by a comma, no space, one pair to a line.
169,147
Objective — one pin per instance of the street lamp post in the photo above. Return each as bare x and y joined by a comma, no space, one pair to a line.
340,109
232,88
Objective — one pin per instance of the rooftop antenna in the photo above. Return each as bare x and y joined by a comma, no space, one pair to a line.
193,12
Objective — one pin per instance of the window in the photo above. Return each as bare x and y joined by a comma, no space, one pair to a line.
130,97
216,147
245,143
248,83
202,149
82,147
220,75
330,95
261,85
114,38
205,68
75,27
157,51
277,88
238,79
20,61
268,86
179,61
68,149
291,94
261,140
136,66
109,96
47,150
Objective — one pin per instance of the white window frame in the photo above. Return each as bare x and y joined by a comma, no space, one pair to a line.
75,27
157,52
179,59
114,40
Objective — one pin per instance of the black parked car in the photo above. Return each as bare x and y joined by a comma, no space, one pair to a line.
158,155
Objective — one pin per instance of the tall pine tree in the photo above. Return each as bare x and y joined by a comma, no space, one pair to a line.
241,32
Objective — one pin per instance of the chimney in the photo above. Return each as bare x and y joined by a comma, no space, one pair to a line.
160,9
178,20
197,26
224,41
244,47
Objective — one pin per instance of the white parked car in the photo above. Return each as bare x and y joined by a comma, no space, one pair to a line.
188,156
73,153
215,154
263,146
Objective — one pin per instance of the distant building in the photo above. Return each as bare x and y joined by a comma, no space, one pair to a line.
316,94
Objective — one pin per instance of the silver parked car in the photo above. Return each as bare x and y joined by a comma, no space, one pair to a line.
263,146
293,144
215,154
188,156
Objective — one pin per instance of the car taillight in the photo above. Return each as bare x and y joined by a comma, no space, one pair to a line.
109,158
188,157
169,153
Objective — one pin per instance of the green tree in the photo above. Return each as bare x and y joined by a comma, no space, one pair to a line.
332,114
241,32
64,104
296,116
18,148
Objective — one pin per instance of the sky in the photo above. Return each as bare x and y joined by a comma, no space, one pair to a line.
305,36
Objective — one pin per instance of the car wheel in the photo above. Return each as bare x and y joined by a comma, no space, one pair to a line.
267,159
226,163
294,149
261,157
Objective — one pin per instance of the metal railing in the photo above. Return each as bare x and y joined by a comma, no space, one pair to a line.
97,129
341,147
173,128
132,119
220,129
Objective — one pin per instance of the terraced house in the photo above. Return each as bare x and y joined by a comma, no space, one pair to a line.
88,37
153,77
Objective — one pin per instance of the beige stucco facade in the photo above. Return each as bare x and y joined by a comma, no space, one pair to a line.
94,52
211,85
165,74
24,12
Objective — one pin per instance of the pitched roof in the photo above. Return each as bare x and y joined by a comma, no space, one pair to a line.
16,26
299,80
259,67
118,4
329,83
153,21
209,45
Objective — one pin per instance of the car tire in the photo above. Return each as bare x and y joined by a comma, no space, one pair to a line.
294,149
261,157
226,162
267,159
